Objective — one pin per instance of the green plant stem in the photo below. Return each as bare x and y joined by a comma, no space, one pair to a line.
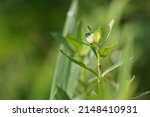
99,67
96,47
99,71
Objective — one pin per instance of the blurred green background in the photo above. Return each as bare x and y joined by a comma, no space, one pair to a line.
28,52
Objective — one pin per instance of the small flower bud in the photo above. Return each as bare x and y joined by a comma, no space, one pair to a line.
89,37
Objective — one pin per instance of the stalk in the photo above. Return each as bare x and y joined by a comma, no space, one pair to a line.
98,61
99,67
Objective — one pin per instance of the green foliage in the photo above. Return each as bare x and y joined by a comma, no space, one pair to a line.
61,94
108,50
141,95
28,51
104,86
65,72
111,68
60,39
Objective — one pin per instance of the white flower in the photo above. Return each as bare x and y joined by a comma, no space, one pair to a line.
90,38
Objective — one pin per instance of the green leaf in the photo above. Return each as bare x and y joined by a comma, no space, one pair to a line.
64,76
79,63
141,95
108,50
112,68
91,80
84,50
111,23
89,28
71,20
75,46
94,51
79,33
58,37
97,35
132,79
70,37
61,94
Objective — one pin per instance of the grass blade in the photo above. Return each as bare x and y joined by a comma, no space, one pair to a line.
61,94
62,73
141,95
71,22
58,37
112,68
61,76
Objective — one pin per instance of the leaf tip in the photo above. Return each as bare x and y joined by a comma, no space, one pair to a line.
111,23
